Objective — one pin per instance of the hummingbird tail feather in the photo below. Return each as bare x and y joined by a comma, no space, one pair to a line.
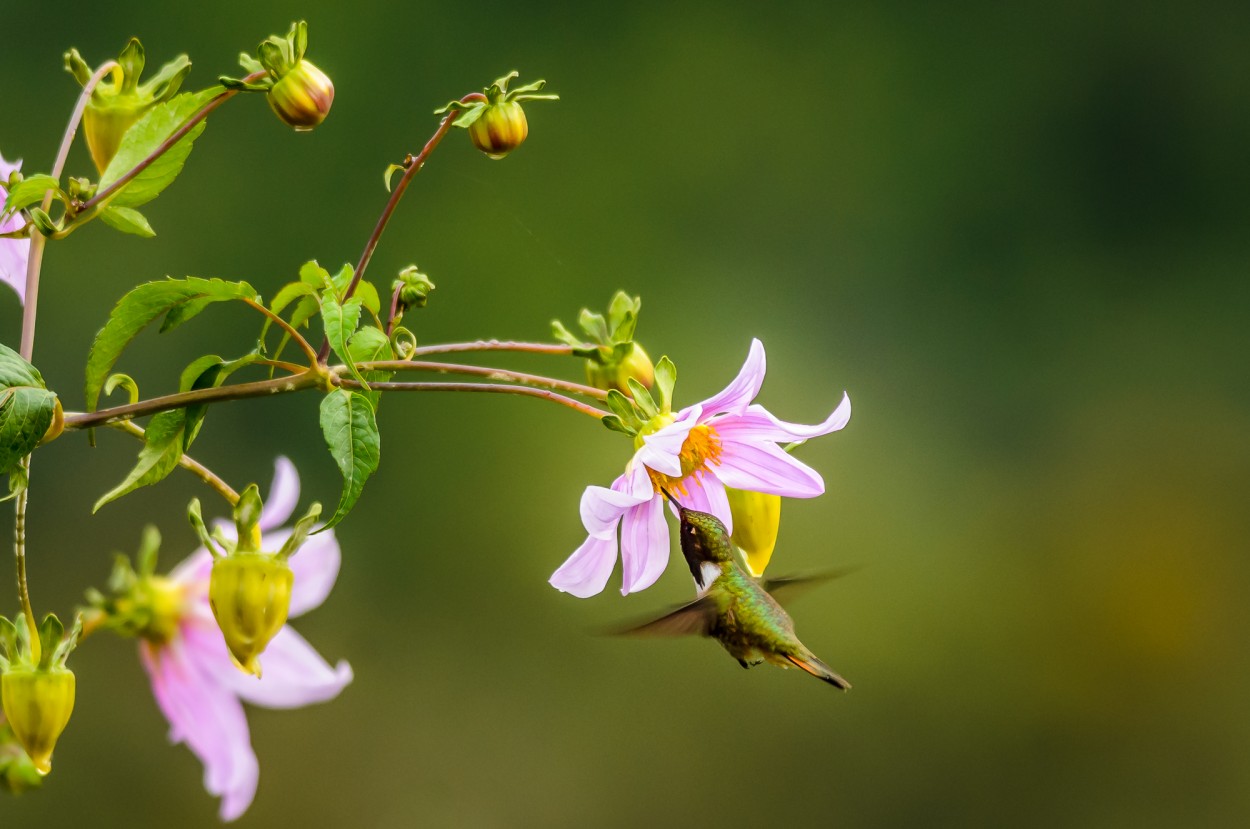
818,669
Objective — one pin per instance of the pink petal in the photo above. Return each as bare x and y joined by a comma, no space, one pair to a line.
14,253
283,494
765,467
315,565
293,675
757,423
586,572
644,545
738,394
208,718
660,451
707,494
602,508
194,570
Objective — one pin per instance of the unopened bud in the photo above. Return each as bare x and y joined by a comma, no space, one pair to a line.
302,96
38,703
616,371
756,517
500,129
250,594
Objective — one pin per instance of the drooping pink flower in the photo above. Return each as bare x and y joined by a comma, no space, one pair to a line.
201,692
725,441
13,252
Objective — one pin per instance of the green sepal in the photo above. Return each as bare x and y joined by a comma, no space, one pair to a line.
624,409
127,220
68,642
642,398
149,549
50,632
595,326
141,306
196,517
30,191
300,533
617,425
350,429
623,316
665,379
8,643
247,514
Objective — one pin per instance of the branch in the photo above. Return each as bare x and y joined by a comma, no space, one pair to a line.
488,388
483,371
188,463
492,345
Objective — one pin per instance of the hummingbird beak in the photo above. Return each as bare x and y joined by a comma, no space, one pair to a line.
680,509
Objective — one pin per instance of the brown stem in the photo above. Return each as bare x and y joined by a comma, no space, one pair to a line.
188,463
492,345
484,371
412,166
487,388
303,344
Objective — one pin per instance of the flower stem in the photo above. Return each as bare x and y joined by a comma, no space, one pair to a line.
412,165
164,146
19,551
188,463
492,345
484,371
288,328
488,388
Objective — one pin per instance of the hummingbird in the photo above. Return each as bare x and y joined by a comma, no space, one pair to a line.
733,607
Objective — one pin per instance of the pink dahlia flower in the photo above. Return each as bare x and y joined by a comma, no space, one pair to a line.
725,441
202,693
13,252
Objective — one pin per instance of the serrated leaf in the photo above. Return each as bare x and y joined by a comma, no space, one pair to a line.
310,273
29,191
370,345
368,295
342,279
162,448
16,371
340,323
351,434
204,372
127,220
137,309
26,412
144,137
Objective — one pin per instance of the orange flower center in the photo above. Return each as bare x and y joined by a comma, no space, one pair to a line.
702,447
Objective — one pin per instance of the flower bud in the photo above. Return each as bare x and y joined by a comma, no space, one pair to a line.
250,594
500,129
38,703
756,516
616,371
302,96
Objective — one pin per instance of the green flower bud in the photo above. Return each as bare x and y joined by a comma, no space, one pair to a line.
250,594
756,517
38,703
500,129
302,96
616,371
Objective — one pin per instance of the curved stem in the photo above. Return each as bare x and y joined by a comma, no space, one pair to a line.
19,551
37,242
220,394
164,146
412,165
303,344
188,463
487,388
484,371
492,345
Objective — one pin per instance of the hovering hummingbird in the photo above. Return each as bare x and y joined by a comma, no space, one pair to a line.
734,608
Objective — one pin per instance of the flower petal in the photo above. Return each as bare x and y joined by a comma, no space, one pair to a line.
757,423
14,253
765,467
294,675
738,394
602,508
283,494
644,545
661,450
316,567
707,494
586,572
208,718
194,570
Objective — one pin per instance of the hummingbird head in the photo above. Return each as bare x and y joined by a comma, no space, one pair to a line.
705,544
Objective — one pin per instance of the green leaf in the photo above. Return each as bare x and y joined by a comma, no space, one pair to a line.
342,279
595,326
340,323
144,304
162,448
351,433
16,371
310,273
206,372
26,412
285,296
142,139
30,191
368,296
369,345
127,220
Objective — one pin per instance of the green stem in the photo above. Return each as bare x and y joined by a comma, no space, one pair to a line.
484,371
303,344
188,463
492,345
19,550
412,165
487,388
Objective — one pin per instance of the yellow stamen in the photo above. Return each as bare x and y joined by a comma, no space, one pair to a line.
701,448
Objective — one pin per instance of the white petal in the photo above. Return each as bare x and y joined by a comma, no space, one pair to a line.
757,423
293,675
601,508
644,545
661,451
283,494
586,572
738,394
764,467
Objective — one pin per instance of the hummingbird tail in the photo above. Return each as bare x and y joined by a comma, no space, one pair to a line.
818,669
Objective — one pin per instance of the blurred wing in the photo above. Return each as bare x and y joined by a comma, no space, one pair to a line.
786,588
694,618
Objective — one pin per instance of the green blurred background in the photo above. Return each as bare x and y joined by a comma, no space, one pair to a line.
1015,233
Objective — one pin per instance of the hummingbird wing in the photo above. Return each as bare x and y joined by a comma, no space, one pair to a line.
787,588
697,617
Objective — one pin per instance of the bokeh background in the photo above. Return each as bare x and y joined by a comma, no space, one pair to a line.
1015,233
